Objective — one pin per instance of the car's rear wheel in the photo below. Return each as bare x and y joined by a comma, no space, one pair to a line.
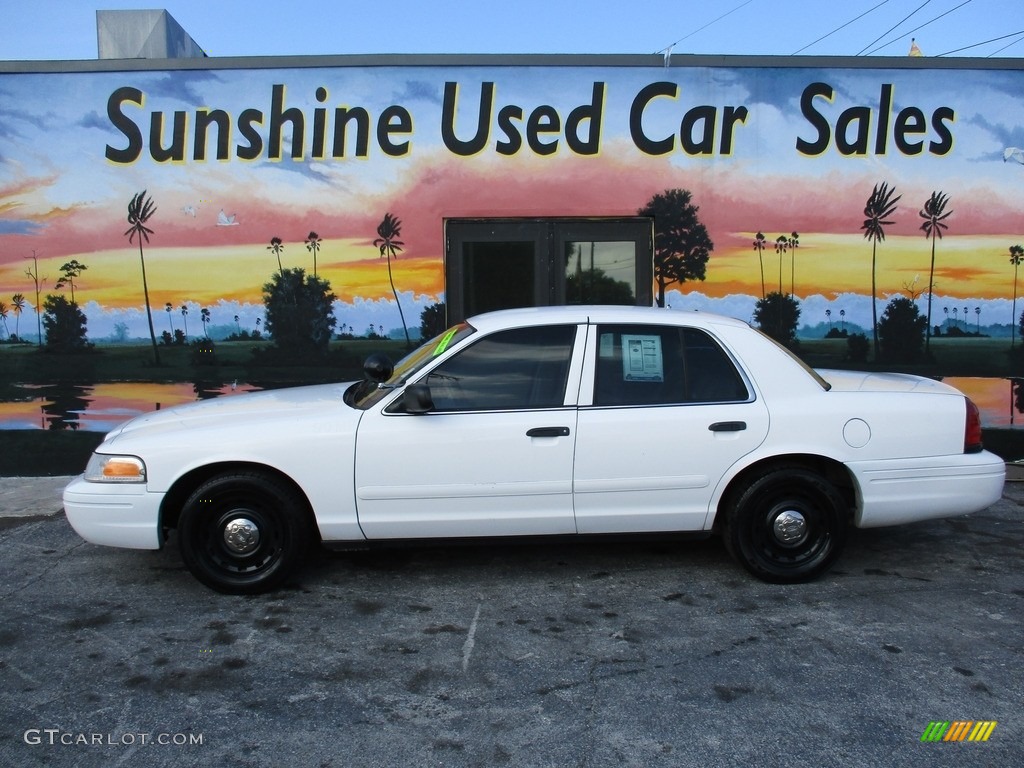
243,532
788,525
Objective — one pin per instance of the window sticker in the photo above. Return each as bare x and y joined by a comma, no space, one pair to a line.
642,359
606,348
442,345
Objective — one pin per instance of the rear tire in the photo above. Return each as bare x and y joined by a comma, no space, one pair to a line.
244,533
787,526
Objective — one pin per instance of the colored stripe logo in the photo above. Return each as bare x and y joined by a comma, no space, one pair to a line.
959,730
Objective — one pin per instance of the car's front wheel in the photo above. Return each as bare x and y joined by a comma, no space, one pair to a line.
243,532
788,525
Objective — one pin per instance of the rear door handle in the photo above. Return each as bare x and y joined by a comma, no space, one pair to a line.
548,432
728,426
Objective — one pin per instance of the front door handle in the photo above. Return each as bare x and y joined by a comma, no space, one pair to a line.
548,432
728,426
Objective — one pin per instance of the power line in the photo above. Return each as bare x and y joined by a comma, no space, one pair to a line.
915,29
840,27
984,42
922,5
999,50
668,49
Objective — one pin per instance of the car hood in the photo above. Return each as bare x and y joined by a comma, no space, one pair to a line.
864,381
268,407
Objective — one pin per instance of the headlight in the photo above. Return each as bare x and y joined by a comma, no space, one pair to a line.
115,469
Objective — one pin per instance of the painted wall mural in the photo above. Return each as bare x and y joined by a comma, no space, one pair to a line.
244,166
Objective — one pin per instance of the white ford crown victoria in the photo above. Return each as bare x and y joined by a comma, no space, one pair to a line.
565,421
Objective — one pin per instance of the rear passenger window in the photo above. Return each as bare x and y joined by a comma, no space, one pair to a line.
660,365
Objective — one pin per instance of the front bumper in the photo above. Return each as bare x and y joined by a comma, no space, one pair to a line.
901,491
114,515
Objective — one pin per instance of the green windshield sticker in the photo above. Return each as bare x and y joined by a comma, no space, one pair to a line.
442,345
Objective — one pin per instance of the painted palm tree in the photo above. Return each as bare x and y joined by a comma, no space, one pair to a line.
204,316
759,239
313,246
168,309
794,243
184,319
140,210
879,207
3,316
934,214
781,245
276,248
18,305
388,231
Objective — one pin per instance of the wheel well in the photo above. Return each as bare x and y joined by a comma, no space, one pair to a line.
183,487
830,469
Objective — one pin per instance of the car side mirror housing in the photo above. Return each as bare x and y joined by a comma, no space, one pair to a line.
378,368
416,399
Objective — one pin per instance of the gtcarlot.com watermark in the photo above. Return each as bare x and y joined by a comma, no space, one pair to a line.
56,737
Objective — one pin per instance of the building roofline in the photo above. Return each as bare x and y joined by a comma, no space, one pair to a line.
657,60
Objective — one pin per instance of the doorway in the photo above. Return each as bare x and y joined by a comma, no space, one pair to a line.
506,263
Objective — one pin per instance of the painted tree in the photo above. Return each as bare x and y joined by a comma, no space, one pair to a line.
204,317
140,210
1016,257
3,317
38,282
778,316
277,248
682,245
313,246
299,313
18,305
388,231
759,239
781,246
184,319
168,309
794,243
877,210
934,214
68,272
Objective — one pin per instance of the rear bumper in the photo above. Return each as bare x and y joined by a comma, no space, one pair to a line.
907,490
114,515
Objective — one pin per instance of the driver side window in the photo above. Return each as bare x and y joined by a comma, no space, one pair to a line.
522,368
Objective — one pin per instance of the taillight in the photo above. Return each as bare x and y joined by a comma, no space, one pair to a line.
972,430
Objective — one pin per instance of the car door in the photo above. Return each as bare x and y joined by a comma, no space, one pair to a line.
669,412
493,454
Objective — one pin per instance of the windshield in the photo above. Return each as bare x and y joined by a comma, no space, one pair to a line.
366,393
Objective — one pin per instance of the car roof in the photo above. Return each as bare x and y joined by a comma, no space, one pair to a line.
583,313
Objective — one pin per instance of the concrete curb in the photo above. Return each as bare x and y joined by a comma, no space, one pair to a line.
31,496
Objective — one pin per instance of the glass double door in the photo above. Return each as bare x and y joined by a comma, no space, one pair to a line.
505,263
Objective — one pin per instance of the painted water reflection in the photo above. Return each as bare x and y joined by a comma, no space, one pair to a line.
101,407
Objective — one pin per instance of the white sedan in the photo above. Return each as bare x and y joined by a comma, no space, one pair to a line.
562,421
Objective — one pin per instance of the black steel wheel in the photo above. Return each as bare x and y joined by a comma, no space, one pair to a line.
788,525
243,532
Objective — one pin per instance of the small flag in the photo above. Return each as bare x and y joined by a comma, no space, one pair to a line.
914,50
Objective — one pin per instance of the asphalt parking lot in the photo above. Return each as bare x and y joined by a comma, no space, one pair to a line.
637,654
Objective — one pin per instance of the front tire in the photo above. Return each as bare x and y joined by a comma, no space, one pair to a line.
243,533
787,526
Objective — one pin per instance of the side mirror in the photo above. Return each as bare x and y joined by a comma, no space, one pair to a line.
378,368
416,399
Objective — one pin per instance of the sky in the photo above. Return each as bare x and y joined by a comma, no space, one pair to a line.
66,29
